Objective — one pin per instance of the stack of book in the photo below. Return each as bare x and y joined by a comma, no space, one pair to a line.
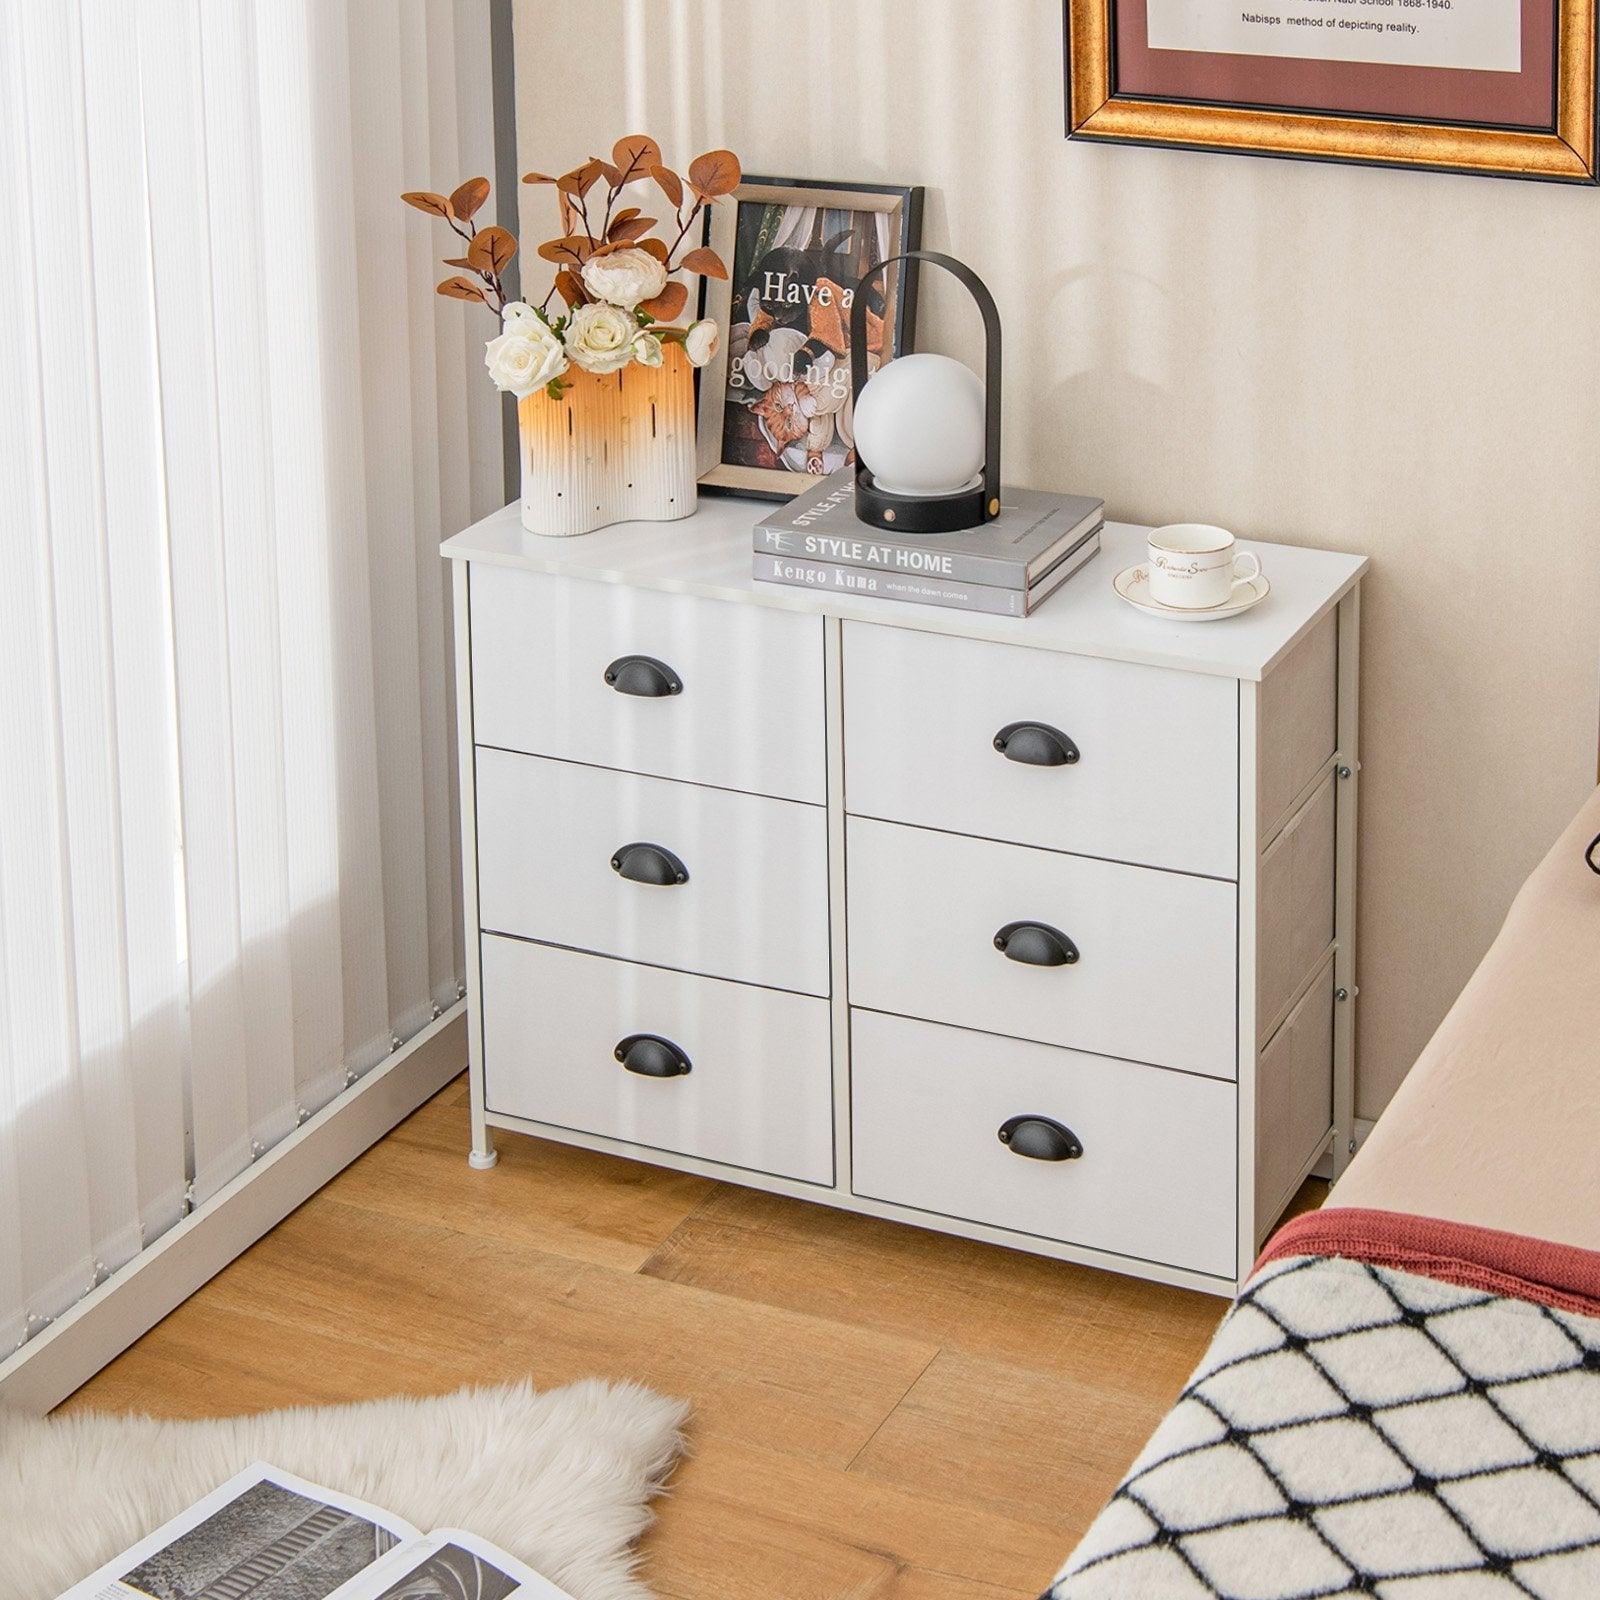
1006,566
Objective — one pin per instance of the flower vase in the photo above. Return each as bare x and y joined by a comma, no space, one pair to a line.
616,447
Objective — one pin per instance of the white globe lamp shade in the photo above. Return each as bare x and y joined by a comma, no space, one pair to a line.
919,426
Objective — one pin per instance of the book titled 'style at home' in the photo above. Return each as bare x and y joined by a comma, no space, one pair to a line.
884,583
1012,551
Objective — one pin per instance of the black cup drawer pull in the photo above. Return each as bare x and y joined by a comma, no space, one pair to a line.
1036,944
1036,744
1040,1139
651,1056
649,863
643,675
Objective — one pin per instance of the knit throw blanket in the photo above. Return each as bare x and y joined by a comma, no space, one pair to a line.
1415,1417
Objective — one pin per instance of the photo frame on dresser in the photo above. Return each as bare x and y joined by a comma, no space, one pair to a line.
775,403
1498,87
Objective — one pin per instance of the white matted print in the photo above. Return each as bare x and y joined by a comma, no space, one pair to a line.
775,402
1475,35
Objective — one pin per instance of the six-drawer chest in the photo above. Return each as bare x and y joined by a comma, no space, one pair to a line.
1039,931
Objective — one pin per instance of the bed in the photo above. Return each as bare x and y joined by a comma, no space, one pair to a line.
1404,1401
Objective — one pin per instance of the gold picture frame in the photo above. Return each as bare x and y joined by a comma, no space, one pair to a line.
1100,105
854,225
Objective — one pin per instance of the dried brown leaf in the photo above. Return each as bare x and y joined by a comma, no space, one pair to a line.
458,261
580,180
575,249
570,287
654,247
491,250
460,289
434,204
635,155
466,200
669,183
715,173
537,177
667,304
625,232
704,261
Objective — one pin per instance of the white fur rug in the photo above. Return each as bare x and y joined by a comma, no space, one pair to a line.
560,1479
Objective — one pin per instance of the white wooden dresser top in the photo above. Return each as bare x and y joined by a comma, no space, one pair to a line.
709,554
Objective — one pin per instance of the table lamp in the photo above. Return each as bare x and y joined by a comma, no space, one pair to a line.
927,431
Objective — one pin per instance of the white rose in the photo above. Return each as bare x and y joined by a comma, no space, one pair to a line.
519,315
647,350
625,277
600,337
701,341
524,358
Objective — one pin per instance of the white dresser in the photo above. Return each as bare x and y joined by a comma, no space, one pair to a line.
1038,931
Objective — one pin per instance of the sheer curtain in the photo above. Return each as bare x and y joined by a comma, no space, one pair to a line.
236,424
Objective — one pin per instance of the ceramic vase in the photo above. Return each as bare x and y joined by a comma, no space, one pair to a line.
616,447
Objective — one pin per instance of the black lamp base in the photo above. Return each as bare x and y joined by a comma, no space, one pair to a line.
919,513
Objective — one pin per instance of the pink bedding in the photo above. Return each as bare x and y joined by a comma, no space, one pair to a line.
1498,1123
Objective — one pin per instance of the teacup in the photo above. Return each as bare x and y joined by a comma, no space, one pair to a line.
1195,567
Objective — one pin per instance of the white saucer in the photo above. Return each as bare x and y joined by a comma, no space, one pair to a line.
1133,585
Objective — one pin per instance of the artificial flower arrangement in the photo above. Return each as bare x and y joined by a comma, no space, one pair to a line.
612,271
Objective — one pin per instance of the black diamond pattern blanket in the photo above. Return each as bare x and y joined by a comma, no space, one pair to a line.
1356,1429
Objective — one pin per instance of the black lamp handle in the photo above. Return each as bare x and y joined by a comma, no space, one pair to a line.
991,329
1040,1138
1036,944
651,1056
643,675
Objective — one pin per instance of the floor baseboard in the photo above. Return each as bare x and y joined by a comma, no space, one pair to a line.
105,1322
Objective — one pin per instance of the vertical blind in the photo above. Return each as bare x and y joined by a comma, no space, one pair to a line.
235,425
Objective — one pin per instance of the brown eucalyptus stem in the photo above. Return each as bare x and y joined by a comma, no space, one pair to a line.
694,211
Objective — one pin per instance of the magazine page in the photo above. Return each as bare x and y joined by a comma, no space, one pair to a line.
449,1564
264,1533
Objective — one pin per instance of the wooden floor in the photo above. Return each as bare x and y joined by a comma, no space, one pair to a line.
880,1413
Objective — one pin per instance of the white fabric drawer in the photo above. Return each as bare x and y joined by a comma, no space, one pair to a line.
749,714
755,906
1294,888
1155,978
1157,776
759,1093
1156,1177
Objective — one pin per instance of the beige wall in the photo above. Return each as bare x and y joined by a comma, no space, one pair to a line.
1399,363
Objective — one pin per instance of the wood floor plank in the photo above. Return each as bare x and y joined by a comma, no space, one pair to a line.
402,1288
213,1361
912,1583
551,1196
744,1523
957,1293
1039,1446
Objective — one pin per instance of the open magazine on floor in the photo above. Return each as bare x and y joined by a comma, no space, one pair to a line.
267,1535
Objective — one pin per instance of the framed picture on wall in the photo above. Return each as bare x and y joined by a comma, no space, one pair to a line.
1505,87
775,403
